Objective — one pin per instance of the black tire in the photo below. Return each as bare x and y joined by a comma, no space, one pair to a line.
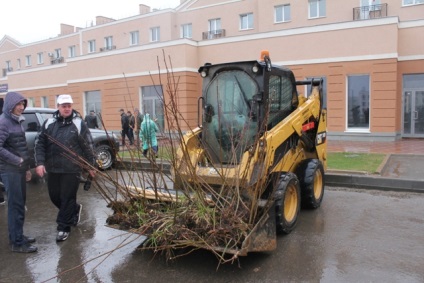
287,203
104,156
311,177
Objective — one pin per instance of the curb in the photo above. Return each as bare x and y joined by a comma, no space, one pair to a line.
374,182
334,178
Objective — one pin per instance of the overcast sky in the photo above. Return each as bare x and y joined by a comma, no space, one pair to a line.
31,20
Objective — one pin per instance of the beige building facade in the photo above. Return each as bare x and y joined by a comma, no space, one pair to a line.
370,54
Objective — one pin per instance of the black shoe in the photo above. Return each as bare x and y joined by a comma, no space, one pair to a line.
62,236
29,240
25,248
2,201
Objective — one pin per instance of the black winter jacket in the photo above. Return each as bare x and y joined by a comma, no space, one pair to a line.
125,122
60,143
13,144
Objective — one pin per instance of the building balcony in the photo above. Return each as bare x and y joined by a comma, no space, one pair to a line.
107,48
6,70
213,34
370,12
57,60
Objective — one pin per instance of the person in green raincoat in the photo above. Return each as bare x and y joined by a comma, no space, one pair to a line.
148,132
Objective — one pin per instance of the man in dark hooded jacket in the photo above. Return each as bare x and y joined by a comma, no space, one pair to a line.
64,148
14,170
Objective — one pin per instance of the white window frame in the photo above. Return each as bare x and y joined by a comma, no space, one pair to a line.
92,46
215,25
45,102
108,42
358,129
57,53
30,102
8,65
93,101
28,60
134,38
246,21
412,2
154,34
282,12
40,58
186,30
320,6
71,51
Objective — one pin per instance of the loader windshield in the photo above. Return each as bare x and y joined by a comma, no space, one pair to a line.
230,128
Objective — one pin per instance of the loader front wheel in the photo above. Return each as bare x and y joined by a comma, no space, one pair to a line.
311,178
287,203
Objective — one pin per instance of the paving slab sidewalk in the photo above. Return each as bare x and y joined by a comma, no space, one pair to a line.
400,172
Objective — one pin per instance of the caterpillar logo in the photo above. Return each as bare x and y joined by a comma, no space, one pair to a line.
321,138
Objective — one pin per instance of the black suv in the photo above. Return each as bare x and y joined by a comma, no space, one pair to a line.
106,144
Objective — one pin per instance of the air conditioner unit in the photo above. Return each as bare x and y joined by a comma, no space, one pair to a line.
50,54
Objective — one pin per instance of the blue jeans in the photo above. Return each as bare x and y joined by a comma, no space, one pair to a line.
15,185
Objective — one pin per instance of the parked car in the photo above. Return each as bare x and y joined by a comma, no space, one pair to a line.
106,143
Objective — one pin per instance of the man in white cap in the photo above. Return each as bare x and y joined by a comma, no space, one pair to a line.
64,148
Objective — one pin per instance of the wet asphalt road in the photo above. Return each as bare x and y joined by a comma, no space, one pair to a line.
356,236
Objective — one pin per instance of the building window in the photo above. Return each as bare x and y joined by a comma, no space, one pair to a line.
9,66
282,13
324,89
58,53
215,26
317,8
358,102
30,102
246,21
71,51
134,38
28,60
91,46
108,42
186,31
412,2
18,64
152,103
155,34
40,58
93,101
45,101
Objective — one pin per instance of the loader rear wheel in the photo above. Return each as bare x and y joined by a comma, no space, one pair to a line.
311,178
287,203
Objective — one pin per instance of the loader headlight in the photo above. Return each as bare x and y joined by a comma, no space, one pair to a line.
255,68
204,73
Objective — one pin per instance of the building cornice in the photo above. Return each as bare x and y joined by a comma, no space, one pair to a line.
304,30
411,24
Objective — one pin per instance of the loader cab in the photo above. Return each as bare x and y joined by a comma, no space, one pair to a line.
240,101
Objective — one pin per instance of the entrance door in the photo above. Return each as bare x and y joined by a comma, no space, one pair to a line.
413,113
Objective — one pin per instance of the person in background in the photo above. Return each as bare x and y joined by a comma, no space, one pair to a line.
148,132
131,128
62,141
91,120
14,170
125,124
138,118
